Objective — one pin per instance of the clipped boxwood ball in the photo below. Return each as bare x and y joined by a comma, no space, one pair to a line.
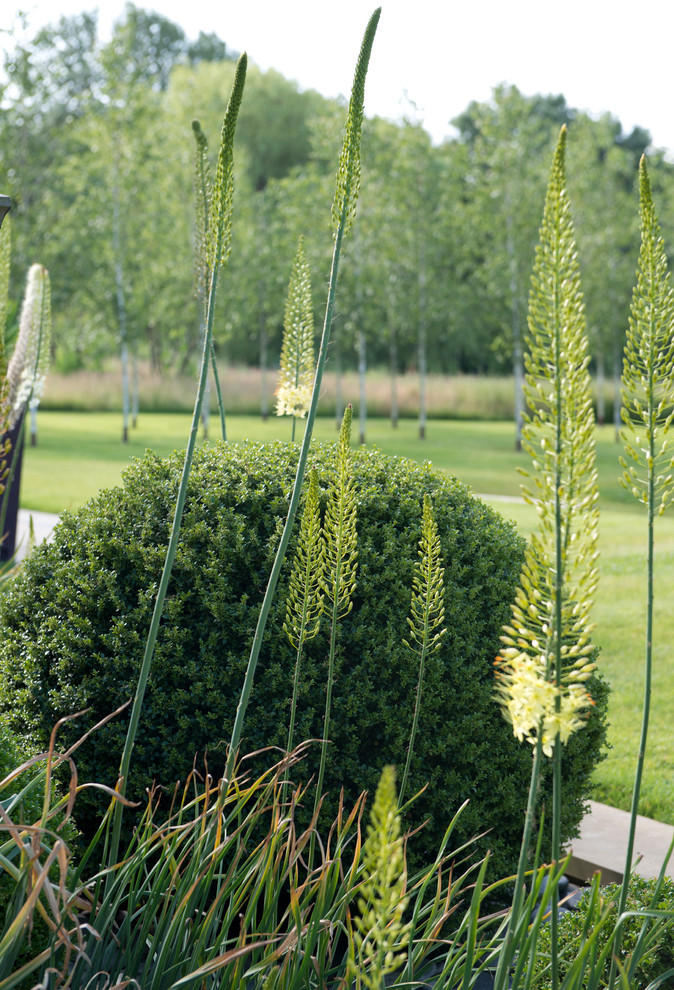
75,623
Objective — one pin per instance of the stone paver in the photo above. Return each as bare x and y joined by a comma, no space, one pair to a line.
43,524
602,845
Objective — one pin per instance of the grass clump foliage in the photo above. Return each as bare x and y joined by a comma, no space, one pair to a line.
75,625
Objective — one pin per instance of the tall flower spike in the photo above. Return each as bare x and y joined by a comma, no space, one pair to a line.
379,934
543,664
237,728
220,221
305,596
648,367
427,613
296,373
339,528
647,384
30,361
339,570
348,173
202,192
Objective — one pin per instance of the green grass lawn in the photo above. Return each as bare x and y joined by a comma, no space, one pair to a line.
79,453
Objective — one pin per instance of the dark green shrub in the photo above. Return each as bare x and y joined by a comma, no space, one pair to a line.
76,622
655,962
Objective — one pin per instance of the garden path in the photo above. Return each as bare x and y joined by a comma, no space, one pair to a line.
43,524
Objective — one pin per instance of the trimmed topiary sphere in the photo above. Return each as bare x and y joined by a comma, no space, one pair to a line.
75,623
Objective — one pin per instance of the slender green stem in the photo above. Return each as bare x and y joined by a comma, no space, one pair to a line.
648,372
328,691
508,949
166,575
218,392
292,510
219,236
296,684
648,670
417,709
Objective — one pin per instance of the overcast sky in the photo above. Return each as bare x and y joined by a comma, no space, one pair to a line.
440,55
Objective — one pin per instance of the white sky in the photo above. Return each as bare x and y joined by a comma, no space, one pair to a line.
441,55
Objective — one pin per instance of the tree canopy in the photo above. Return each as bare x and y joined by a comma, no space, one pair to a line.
97,155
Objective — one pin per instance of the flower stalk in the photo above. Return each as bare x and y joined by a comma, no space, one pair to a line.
203,195
379,935
296,372
545,661
219,234
305,593
346,209
427,614
647,385
340,564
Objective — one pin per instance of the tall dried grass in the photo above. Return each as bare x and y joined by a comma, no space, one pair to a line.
245,389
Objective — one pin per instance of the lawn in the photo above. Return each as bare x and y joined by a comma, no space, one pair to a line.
79,453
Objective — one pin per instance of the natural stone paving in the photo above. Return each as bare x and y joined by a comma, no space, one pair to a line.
43,524
602,845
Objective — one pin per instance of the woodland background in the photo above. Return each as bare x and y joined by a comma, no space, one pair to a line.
96,152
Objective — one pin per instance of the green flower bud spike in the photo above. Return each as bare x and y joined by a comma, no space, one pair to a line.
348,173
305,596
427,614
339,569
544,663
202,195
540,685
220,221
203,192
379,936
647,388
